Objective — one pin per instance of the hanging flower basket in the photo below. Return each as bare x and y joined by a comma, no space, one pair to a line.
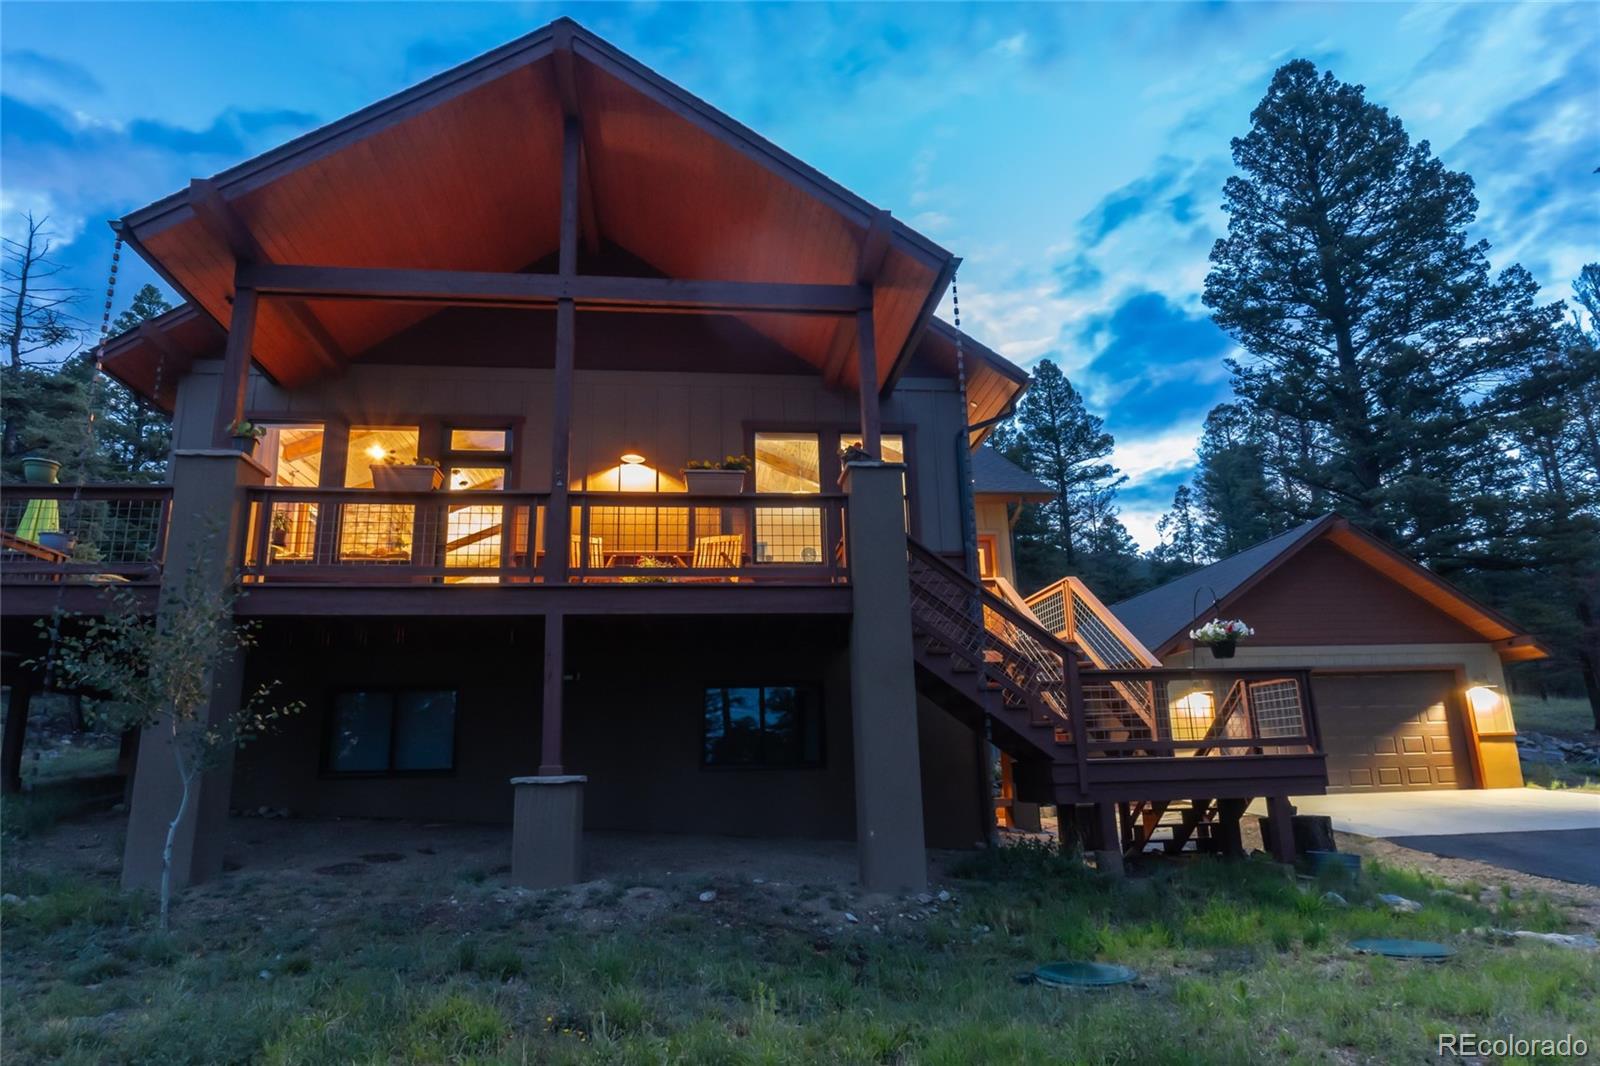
1221,636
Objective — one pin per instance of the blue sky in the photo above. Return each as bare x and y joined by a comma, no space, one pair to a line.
1073,154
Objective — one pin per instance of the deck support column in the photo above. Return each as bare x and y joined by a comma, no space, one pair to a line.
1230,839
235,367
16,731
208,482
891,849
1107,839
867,367
1279,827
553,706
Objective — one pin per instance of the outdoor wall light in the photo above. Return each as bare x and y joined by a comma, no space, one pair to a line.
1483,699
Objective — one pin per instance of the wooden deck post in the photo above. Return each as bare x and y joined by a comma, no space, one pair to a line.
867,366
16,731
235,366
1230,841
558,516
552,708
1280,828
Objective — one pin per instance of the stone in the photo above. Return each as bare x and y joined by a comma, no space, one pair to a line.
924,899
1399,903
12,898
852,919
265,975
944,896
707,896
1335,899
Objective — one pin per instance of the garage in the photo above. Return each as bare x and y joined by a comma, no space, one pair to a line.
1397,654
1392,731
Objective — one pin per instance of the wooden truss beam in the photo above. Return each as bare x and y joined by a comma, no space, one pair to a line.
594,293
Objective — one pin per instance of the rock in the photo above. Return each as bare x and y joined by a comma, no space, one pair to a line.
265,975
944,897
758,880
852,919
924,899
1566,940
12,898
1335,899
707,896
1399,903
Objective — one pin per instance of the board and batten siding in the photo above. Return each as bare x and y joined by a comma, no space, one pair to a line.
671,417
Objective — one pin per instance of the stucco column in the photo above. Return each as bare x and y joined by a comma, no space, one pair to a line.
547,830
883,690
207,529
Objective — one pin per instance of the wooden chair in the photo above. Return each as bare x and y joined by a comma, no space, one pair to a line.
722,552
597,553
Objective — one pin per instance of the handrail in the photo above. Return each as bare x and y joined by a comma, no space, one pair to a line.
108,532
1072,591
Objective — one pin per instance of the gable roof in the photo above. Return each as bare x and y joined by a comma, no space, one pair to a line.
462,172
995,475
1162,617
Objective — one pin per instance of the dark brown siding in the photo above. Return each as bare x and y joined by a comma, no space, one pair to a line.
1324,596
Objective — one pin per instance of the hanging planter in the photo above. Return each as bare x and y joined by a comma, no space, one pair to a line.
1222,637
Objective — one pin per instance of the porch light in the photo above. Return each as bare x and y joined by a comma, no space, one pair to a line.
632,458
1193,711
1483,700
1491,712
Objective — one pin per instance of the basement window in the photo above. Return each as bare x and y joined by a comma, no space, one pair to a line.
392,732
774,726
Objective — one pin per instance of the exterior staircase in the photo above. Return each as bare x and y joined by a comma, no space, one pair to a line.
1180,753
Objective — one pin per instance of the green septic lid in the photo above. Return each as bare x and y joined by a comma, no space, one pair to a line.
1083,974
1403,949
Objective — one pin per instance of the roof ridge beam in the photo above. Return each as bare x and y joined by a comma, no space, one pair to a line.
591,292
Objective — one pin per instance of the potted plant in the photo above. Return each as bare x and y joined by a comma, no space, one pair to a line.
280,527
246,435
397,475
1222,637
37,470
647,562
853,453
58,541
716,477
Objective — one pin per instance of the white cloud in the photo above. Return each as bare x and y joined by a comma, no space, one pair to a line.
1165,452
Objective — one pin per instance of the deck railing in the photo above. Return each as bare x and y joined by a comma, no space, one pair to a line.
90,534
1070,610
1197,713
370,538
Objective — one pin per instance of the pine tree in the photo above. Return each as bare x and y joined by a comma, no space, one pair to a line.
1371,324
1237,502
135,436
1181,547
1065,446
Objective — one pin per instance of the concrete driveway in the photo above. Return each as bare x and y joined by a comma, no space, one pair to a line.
1545,833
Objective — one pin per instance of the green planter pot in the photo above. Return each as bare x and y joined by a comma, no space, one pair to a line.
37,470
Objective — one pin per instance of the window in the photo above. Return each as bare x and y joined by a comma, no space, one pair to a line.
371,445
788,463
763,726
392,732
988,556
480,440
293,454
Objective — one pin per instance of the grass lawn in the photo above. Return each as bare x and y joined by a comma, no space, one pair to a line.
1559,717
387,964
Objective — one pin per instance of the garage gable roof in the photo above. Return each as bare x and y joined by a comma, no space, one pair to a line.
1162,617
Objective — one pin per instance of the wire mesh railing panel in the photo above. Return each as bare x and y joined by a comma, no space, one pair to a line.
1051,610
1092,632
1188,713
104,532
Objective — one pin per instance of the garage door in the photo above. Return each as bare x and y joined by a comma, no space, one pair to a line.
1392,731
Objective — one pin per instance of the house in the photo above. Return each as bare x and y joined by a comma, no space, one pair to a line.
486,326
1406,668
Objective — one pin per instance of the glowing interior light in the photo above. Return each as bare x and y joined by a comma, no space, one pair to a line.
632,458
375,452
1483,700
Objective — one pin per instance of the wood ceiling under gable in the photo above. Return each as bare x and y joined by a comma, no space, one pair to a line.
463,173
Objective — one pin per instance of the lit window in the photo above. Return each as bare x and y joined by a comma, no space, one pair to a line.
372,446
988,556
293,454
392,732
788,462
480,440
894,445
772,725
477,478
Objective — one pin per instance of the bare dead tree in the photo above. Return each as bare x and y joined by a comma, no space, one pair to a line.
38,314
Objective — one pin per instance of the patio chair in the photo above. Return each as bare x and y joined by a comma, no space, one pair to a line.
723,552
597,554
